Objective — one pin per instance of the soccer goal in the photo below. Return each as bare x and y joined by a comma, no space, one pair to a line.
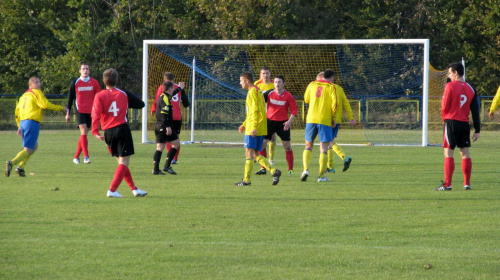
386,81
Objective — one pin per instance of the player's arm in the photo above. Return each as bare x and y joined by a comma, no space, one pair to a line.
445,102
71,96
96,118
475,111
266,94
184,99
134,102
334,104
254,109
44,103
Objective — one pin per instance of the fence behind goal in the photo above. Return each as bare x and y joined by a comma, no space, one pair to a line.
388,82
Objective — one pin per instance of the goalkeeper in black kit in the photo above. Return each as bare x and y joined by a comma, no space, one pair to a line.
164,131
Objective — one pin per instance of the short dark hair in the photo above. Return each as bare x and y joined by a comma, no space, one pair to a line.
167,85
110,77
457,67
328,74
169,76
248,76
280,77
265,68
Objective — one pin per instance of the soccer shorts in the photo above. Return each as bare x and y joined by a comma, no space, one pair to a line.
176,126
278,128
30,130
324,131
335,130
456,134
161,134
82,118
254,142
119,140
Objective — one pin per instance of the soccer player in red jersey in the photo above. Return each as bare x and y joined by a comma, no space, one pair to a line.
110,110
178,98
164,128
459,100
280,103
82,92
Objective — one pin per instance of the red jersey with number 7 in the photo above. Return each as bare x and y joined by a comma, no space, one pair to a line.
110,109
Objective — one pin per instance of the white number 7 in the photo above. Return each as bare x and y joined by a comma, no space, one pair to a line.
113,109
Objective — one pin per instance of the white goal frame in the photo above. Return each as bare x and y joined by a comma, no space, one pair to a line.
147,43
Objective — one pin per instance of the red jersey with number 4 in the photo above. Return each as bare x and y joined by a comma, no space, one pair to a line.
456,102
110,109
278,106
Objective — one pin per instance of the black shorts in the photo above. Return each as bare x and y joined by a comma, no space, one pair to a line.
456,134
82,118
161,134
278,128
119,140
176,126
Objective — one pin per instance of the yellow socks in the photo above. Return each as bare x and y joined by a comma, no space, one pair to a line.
323,161
306,159
272,149
330,159
339,151
21,156
248,169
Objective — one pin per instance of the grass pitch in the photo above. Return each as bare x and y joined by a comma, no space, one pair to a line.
378,220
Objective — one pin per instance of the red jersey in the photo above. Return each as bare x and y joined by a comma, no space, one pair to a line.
175,101
110,108
278,105
82,93
456,102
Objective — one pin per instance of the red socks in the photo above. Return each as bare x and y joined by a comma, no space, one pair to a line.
467,170
289,159
122,172
83,145
449,168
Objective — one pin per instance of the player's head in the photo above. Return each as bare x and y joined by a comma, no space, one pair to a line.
110,77
168,87
34,82
265,74
168,76
246,80
455,71
320,76
84,70
279,83
328,75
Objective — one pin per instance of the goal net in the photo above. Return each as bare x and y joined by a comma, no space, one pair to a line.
386,81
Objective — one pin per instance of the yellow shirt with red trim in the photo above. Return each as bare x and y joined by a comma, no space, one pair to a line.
322,99
342,105
256,113
264,87
31,106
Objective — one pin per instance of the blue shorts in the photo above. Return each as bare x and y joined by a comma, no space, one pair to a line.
254,142
30,130
313,129
335,130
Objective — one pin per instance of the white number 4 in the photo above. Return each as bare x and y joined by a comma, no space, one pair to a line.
113,109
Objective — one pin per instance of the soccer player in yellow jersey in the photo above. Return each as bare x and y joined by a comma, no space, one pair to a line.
264,83
322,100
495,103
29,115
342,103
255,128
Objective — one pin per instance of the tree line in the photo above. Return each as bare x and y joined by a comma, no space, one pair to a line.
50,38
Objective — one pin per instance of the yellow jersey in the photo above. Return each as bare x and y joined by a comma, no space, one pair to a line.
264,87
31,106
256,113
496,101
342,104
322,99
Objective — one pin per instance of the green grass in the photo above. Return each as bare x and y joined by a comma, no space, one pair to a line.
378,220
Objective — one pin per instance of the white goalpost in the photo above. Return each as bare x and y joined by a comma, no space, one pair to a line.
386,81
